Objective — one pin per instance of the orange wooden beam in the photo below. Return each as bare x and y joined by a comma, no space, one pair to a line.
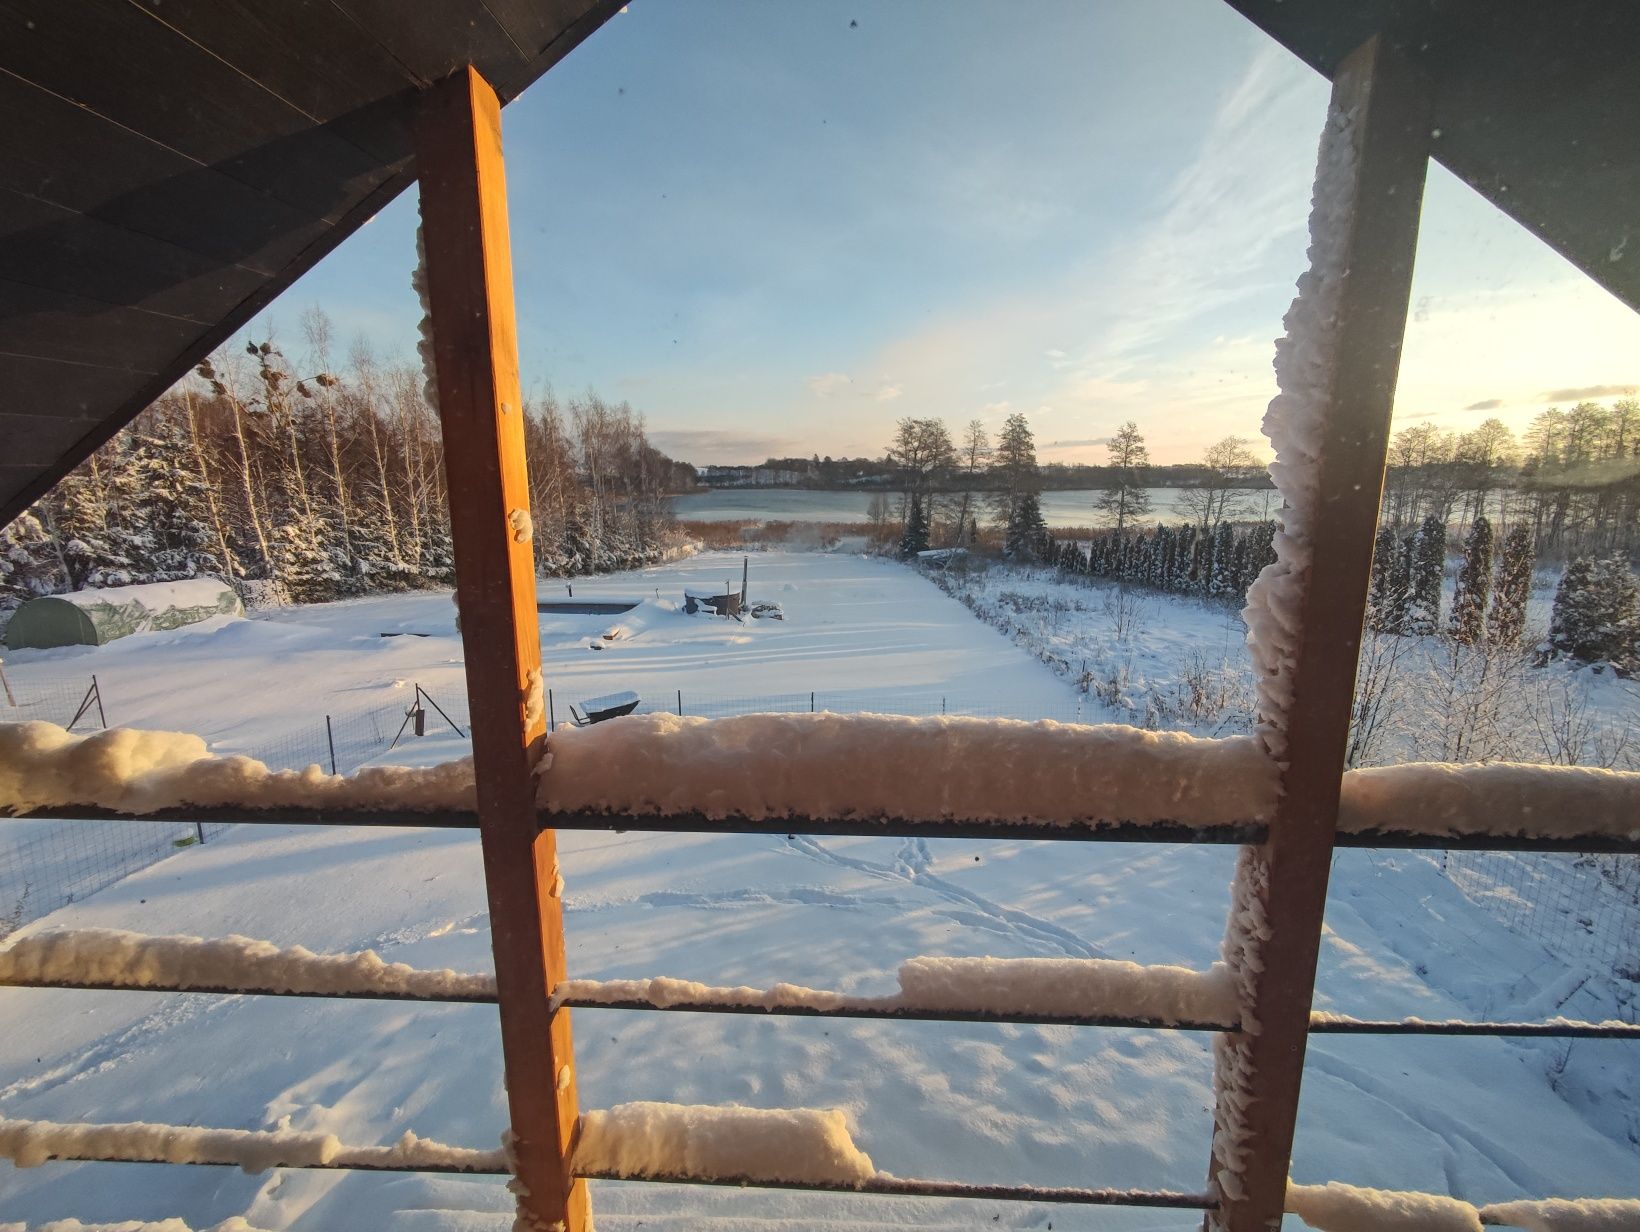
1286,876
475,345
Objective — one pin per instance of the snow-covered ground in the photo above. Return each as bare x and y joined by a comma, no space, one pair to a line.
1485,1120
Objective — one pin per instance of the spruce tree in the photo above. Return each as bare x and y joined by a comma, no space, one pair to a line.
1428,565
1386,593
1026,531
1468,620
1506,622
1222,580
915,537
1596,616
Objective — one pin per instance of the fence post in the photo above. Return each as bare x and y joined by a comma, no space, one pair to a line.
811,703
552,724
101,717
199,831
680,703
330,739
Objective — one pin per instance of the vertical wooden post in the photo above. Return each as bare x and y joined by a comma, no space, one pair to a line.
470,302
1285,880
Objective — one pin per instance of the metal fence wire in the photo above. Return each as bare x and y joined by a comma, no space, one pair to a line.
1584,909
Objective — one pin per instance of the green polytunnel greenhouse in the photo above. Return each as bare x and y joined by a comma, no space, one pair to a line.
93,617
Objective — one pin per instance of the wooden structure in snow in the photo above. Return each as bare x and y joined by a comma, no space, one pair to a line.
171,168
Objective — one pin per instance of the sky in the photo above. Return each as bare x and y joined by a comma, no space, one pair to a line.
777,228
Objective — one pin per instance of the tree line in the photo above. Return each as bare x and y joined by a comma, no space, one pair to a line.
1574,480
311,480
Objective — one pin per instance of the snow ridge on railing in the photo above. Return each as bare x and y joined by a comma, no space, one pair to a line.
839,767
235,1224
31,1143
1336,1207
1053,987
114,957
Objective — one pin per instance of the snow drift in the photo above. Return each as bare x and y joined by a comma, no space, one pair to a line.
711,1143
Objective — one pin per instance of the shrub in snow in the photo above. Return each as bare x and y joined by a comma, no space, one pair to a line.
711,1143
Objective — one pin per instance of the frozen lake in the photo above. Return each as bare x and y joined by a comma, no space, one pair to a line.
1068,508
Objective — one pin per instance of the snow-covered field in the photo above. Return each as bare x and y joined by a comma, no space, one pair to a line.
1486,1120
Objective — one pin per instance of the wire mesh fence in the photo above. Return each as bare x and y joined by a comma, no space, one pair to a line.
1585,910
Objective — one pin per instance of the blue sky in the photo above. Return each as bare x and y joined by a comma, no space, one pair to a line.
775,232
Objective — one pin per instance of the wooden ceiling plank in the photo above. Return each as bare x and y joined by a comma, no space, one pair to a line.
57,325
311,56
44,245
80,161
467,33
86,52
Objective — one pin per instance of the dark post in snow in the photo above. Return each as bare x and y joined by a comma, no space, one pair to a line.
1388,107
470,302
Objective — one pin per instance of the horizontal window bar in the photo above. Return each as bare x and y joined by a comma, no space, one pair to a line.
697,823
1326,1025
880,1184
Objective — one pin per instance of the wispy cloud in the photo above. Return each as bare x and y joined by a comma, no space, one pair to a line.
1090,443
889,392
708,445
1582,392
829,383
1485,404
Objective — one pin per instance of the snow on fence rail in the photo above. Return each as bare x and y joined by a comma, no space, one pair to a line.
107,957
235,1224
1336,1207
827,767
31,1143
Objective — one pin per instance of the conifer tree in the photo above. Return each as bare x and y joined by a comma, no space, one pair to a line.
1386,593
1428,564
1026,531
915,538
1506,622
1468,620
1222,580
1596,617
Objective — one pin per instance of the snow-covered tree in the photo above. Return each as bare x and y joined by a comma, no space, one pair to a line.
915,537
1026,532
1596,617
1387,594
1221,582
1468,621
1428,565
1506,621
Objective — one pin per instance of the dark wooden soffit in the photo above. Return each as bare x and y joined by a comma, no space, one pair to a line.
168,167
1536,103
